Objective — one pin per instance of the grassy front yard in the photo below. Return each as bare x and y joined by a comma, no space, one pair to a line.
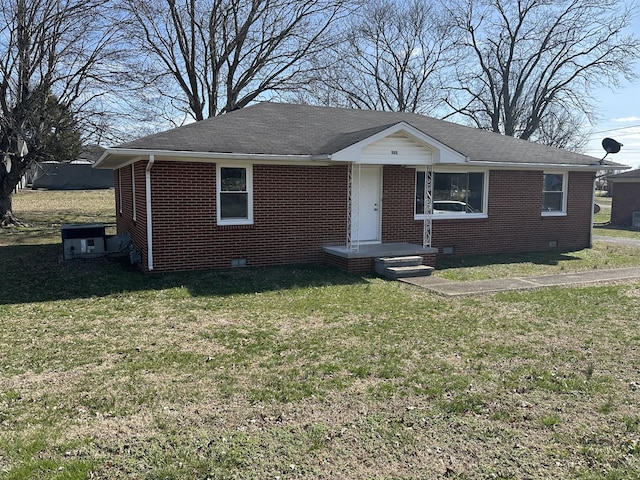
305,372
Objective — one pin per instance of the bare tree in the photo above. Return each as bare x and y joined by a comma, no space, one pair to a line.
563,129
532,64
50,51
394,58
214,56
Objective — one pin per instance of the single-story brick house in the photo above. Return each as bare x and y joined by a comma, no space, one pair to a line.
278,183
625,197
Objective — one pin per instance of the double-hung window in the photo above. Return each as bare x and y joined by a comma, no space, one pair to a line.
554,198
455,194
235,195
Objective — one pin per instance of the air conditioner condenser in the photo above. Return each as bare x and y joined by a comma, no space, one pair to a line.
85,240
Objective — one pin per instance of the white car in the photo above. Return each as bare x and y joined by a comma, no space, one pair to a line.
450,206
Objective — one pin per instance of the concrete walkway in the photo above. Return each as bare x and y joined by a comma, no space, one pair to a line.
452,288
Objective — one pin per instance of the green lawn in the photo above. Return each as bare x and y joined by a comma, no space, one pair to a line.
306,372
604,215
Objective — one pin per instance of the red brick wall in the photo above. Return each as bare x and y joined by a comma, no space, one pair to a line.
514,222
297,210
625,200
360,266
125,223
398,205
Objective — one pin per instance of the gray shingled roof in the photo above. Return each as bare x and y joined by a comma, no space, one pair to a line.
91,153
286,129
630,176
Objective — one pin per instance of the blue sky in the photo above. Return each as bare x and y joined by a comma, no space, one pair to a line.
620,118
620,113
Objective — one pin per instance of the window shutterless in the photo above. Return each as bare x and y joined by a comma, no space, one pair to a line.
235,195
454,193
553,193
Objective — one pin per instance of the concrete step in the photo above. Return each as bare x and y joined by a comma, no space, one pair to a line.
394,273
382,263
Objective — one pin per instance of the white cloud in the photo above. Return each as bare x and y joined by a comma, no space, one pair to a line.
626,119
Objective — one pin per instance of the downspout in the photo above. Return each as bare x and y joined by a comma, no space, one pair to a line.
593,206
133,192
149,219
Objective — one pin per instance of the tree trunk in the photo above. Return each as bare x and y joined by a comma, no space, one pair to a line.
7,219
8,183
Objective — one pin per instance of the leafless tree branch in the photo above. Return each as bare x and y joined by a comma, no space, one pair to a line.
528,60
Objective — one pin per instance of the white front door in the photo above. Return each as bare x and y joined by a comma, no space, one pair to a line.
369,203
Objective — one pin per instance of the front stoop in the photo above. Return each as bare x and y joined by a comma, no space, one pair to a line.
394,268
394,273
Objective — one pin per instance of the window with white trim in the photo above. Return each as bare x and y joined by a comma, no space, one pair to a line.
454,194
234,195
554,198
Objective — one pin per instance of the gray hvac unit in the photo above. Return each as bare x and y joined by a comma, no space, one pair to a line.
83,240
635,220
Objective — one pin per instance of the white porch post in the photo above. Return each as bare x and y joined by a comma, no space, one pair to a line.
353,207
428,205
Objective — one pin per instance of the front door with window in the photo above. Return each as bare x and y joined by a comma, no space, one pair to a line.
369,203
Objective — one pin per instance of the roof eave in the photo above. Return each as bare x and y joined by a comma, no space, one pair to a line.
114,158
549,166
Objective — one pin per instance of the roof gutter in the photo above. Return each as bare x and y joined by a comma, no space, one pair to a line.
550,166
132,155
149,219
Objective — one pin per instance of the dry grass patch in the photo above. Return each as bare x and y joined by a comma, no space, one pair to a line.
61,206
45,211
